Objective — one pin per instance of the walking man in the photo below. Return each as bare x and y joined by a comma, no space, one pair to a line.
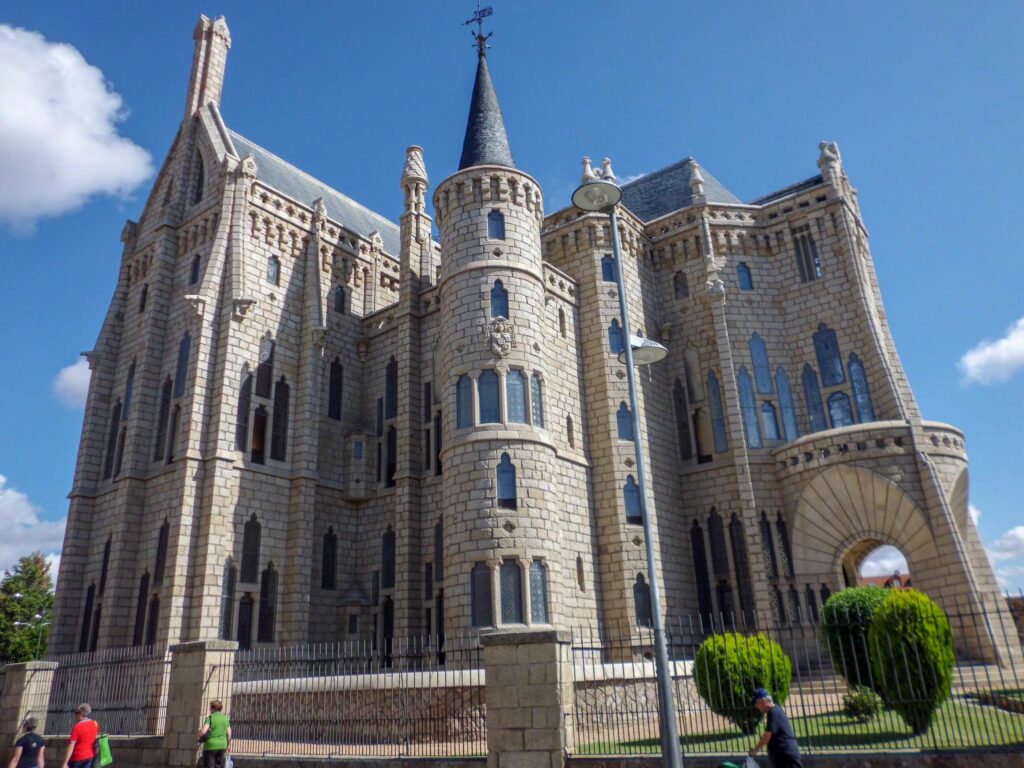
778,735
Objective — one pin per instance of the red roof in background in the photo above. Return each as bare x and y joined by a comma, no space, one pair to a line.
899,580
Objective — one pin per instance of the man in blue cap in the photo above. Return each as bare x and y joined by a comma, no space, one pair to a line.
778,734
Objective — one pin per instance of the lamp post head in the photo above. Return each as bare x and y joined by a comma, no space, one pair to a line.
645,351
598,190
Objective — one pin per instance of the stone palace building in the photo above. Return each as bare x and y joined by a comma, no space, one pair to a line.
307,422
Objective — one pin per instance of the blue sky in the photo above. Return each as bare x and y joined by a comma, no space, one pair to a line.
925,100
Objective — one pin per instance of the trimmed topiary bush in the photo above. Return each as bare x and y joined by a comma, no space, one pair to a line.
911,648
862,704
845,618
729,666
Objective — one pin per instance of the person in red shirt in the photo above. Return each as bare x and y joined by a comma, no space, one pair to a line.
82,744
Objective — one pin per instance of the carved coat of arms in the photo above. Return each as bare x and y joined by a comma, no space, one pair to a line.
501,335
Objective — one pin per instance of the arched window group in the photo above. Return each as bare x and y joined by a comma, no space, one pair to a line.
514,588
523,399
277,395
807,261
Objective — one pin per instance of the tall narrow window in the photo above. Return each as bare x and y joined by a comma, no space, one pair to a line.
741,564
391,464
505,475
428,585
334,386
339,300
439,551
119,454
861,393
329,562
570,431
682,421
265,368
789,423
615,342
771,562
499,300
242,414
784,549
769,422
138,632
812,603
160,564
181,372
515,396
83,638
840,410
193,276
745,278
495,225
104,567
153,622
279,434
490,404
428,402
642,602
95,634
539,591
807,261
511,577
112,431
380,417
172,436
631,501
481,602
197,195
274,270
251,550
680,287
716,535
830,362
762,369
717,414
245,611
826,593
143,295
691,375
702,435
258,455
812,396
438,442
464,402
387,559
227,600
391,389
561,322
700,572
129,391
537,404
624,422
749,408
268,605
608,268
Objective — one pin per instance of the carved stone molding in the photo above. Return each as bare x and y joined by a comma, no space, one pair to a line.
198,304
240,308
318,336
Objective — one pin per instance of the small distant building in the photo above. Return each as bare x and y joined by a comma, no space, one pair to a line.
896,580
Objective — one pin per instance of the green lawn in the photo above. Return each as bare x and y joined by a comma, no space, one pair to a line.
959,724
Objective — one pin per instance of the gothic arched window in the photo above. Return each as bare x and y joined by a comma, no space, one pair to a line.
499,300
749,408
717,414
784,548
334,390
246,609
251,549
129,391
505,474
537,403
812,396
624,422
279,432
789,422
259,435
561,322
143,295
744,276
496,227
642,602
769,422
861,393
481,600
163,416
682,421
274,270
631,500
227,600
840,410
741,564
490,403
608,268
615,342
339,300
391,389
268,605
700,569
830,362
812,603
463,402
762,368
172,429
197,196
680,287
181,372
112,431
265,368
153,622
510,575
388,555
141,600
515,396
83,639
391,457
105,565
539,591
162,542
719,555
691,375
193,276
771,563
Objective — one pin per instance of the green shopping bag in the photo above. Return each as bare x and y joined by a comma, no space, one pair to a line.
103,750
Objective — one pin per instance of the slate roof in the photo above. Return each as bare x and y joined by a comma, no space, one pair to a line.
486,142
668,189
300,186
800,186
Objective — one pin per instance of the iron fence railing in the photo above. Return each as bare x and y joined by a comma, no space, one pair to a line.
411,697
615,708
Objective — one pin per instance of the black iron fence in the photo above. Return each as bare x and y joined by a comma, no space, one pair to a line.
616,705
411,697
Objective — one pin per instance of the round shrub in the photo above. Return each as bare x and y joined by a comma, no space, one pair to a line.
729,666
862,704
911,647
845,618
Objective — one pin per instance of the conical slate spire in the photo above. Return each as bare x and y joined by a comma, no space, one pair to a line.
486,142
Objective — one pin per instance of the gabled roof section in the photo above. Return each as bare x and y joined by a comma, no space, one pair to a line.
300,186
666,190
486,142
792,189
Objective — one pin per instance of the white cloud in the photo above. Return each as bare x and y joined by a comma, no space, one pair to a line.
990,362
974,512
23,531
58,131
71,384
1009,546
884,561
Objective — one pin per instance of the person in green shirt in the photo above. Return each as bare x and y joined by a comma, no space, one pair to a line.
215,736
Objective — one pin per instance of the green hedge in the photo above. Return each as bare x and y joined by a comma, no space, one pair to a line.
911,648
729,666
845,619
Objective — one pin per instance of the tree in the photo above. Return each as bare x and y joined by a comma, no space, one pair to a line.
845,618
26,592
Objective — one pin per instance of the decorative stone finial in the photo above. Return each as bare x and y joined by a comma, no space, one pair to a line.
588,172
129,232
607,173
415,169
696,181
248,167
830,162
319,209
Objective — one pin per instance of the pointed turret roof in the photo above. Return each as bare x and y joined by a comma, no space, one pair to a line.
486,142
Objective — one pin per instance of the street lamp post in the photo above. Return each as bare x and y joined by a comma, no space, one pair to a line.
600,193
38,626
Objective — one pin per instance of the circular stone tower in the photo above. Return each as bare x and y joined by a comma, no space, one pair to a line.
501,517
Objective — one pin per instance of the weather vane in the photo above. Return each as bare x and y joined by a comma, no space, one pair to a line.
478,19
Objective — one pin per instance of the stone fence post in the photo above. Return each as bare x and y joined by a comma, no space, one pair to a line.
200,672
528,692
26,691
